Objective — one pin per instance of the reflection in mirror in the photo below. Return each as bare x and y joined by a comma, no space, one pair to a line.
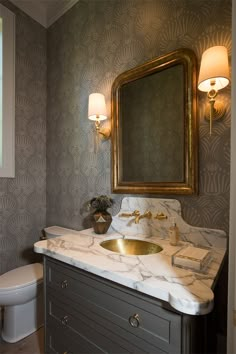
154,126
149,126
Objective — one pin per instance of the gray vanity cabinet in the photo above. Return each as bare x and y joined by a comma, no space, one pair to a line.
85,313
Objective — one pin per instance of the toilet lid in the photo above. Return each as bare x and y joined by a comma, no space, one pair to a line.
22,276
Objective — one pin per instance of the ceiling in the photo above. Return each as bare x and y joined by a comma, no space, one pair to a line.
44,11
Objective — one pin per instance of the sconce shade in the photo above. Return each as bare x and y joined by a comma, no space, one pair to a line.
214,67
97,107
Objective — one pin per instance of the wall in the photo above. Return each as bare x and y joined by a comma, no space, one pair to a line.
23,198
87,48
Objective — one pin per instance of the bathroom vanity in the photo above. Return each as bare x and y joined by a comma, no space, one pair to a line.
88,314
100,301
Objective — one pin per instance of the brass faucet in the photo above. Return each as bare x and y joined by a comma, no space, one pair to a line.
135,213
147,215
160,216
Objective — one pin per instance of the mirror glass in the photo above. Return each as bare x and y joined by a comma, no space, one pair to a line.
154,126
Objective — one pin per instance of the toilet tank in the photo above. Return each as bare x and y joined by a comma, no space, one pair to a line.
55,231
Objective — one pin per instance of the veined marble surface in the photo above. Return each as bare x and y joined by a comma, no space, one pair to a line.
187,291
197,236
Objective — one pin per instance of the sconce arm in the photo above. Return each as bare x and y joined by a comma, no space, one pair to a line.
97,123
105,133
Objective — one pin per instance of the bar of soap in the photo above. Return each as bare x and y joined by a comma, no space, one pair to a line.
192,257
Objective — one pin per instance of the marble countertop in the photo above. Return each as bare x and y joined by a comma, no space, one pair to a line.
187,291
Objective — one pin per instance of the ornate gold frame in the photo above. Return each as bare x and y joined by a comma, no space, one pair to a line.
190,183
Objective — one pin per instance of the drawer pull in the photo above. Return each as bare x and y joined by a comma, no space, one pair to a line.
64,284
64,320
134,320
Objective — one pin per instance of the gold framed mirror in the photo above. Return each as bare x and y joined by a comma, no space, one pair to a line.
154,126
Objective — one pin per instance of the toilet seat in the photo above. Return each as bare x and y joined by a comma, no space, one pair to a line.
21,277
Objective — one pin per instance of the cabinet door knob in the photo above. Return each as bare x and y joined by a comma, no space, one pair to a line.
64,320
64,284
134,320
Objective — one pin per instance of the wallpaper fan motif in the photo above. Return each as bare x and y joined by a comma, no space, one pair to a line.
23,198
87,48
119,35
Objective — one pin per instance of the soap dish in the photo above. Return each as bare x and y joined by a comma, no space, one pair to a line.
194,258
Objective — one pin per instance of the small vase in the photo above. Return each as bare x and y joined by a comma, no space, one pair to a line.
101,221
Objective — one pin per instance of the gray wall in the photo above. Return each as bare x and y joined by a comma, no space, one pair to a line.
23,198
87,48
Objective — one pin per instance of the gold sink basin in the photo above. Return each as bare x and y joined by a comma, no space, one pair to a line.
131,246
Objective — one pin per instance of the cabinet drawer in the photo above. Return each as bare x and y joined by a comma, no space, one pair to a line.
111,310
90,323
62,340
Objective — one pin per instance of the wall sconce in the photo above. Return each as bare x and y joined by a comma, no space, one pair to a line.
214,76
97,112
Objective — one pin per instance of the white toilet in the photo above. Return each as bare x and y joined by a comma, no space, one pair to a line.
21,296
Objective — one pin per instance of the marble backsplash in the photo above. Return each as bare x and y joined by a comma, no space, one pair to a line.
126,226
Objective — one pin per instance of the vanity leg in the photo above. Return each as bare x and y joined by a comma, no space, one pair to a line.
194,334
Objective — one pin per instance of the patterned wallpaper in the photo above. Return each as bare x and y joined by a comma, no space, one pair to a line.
87,48
23,198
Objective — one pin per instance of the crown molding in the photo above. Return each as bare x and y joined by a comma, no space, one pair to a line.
44,11
54,13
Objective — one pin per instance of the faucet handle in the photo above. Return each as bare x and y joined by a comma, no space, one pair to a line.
136,213
128,215
147,214
160,216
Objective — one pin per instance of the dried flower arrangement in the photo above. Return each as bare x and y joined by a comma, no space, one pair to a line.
101,203
101,219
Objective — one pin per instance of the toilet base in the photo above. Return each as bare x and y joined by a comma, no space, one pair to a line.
20,321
